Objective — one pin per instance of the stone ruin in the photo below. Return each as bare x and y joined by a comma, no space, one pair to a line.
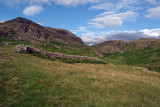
25,49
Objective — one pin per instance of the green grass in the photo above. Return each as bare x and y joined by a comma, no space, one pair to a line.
13,42
68,49
27,80
147,57
56,47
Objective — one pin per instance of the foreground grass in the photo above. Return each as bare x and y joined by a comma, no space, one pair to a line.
27,80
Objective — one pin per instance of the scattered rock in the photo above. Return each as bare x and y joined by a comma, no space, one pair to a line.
6,43
142,68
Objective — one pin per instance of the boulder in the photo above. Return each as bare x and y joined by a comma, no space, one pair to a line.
22,48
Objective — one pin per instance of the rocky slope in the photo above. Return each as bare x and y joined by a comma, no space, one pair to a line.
24,29
119,46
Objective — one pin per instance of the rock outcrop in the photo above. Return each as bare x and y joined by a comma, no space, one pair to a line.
25,49
22,48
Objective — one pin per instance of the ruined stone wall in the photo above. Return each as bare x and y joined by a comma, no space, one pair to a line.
25,49
56,54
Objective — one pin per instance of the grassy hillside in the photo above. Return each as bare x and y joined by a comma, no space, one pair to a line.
147,57
119,46
54,46
143,52
27,80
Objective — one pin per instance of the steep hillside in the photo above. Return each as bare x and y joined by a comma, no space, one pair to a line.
24,29
27,80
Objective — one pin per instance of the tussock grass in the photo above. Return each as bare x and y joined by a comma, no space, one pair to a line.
27,80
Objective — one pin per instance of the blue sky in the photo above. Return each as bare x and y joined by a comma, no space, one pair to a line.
94,21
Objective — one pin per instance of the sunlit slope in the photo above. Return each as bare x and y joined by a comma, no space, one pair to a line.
27,80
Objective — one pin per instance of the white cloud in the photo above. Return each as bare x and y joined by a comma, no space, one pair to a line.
153,12
32,10
127,4
84,29
109,20
117,5
2,21
33,2
59,2
11,3
107,13
104,6
153,2
151,32
112,35
129,15
94,37
40,24
75,2
118,11
93,40
87,36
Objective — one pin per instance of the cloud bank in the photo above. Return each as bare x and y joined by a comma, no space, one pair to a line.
2,21
90,37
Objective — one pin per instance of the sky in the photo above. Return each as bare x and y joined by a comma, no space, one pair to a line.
94,21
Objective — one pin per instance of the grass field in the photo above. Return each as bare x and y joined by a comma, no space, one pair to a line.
27,80
147,57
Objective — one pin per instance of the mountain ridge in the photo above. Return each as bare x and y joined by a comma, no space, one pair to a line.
25,29
120,46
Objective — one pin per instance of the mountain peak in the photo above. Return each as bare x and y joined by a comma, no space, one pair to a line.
26,29
23,21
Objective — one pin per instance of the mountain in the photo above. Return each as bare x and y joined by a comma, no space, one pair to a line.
24,29
119,46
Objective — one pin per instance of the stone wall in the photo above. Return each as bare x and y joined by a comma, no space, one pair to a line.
25,49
